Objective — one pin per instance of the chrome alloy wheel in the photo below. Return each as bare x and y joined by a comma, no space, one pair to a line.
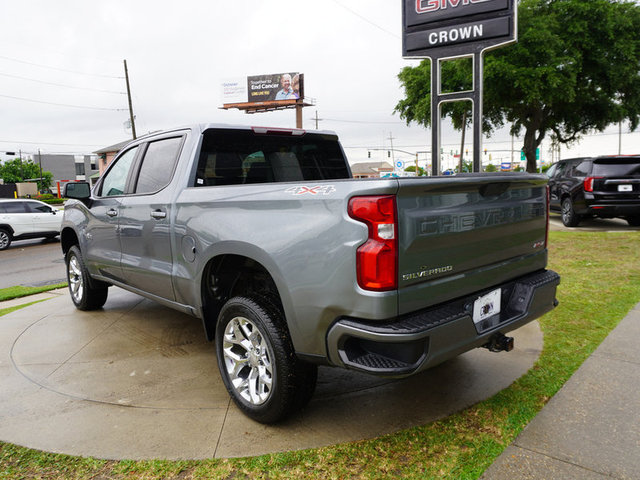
247,359
76,285
4,239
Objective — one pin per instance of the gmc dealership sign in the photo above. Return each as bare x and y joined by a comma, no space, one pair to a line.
442,27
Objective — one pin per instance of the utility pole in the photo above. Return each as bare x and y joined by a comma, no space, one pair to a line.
393,156
317,119
40,163
131,116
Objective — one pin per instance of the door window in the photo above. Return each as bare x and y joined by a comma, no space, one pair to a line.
115,181
158,165
35,207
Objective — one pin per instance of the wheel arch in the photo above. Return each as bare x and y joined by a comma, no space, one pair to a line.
7,227
68,238
229,275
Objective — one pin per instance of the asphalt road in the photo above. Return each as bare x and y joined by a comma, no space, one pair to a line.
32,263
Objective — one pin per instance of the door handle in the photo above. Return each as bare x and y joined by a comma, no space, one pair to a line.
112,212
159,214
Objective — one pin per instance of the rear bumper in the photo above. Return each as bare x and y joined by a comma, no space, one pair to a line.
609,205
417,341
614,210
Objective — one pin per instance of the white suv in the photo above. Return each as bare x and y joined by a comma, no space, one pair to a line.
22,218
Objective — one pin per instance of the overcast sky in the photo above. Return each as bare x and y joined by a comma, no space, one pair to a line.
62,86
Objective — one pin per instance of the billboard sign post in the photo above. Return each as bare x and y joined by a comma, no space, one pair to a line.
444,30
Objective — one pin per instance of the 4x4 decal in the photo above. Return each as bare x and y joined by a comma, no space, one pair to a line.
306,190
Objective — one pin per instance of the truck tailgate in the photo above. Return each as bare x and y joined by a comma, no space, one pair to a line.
465,234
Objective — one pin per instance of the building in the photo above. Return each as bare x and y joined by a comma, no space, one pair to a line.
370,169
107,154
65,168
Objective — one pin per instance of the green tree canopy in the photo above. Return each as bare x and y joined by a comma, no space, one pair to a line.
574,70
16,170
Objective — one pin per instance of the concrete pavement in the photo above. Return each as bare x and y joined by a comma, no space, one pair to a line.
138,381
591,428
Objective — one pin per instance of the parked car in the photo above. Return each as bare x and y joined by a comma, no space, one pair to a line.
607,187
22,219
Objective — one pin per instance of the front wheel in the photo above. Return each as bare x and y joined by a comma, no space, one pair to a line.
86,295
569,216
257,361
5,239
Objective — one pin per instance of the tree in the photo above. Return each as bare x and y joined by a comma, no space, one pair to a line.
573,71
16,170
412,168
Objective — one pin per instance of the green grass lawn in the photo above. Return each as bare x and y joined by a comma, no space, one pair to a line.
18,292
600,284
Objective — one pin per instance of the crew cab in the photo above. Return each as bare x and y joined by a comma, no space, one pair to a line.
290,263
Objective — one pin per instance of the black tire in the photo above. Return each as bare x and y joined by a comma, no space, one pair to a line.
634,221
5,239
258,363
569,216
86,294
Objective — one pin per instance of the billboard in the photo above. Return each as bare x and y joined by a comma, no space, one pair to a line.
442,27
264,88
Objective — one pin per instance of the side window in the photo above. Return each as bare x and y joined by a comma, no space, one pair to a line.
116,179
583,169
34,207
552,170
562,167
158,165
14,207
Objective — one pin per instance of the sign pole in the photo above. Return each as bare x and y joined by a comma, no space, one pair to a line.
449,30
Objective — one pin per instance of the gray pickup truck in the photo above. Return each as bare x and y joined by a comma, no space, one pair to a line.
290,263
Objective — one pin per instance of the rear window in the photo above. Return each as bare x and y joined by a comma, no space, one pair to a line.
232,157
616,167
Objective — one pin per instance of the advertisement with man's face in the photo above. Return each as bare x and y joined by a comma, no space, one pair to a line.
274,87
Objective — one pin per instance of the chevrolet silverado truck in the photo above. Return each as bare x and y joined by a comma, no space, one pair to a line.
290,263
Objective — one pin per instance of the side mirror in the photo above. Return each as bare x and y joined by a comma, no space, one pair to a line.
77,190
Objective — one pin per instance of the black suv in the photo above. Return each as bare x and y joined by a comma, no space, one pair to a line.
606,186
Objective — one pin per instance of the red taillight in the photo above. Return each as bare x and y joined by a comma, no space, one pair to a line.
377,258
588,183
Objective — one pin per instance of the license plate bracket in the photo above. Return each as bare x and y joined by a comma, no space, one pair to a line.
487,306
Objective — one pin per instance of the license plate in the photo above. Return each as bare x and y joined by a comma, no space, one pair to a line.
625,188
487,306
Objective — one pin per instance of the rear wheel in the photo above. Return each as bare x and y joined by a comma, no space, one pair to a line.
5,239
257,361
634,221
85,293
569,216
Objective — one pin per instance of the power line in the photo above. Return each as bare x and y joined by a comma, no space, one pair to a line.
40,48
60,69
48,143
61,84
65,105
366,19
360,121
